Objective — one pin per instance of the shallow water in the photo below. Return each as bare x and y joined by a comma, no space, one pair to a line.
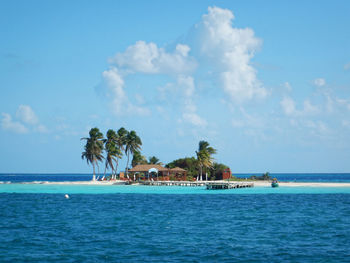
174,227
140,189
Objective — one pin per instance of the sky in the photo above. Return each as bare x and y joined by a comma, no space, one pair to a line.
266,83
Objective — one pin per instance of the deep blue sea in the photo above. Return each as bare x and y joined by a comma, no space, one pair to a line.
306,177
172,224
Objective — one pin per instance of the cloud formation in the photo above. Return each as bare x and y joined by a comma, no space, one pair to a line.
320,82
26,120
228,50
289,107
27,115
148,58
190,114
231,49
120,103
14,126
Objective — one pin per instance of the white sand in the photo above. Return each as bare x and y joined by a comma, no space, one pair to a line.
302,184
86,182
256,183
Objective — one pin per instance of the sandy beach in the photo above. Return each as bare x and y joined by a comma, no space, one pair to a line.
302,184
256,183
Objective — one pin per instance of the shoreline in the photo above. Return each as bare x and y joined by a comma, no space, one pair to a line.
256,183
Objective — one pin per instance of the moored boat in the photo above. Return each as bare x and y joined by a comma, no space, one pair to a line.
274,182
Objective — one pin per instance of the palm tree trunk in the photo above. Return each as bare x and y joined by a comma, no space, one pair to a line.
93,174
98,169
105,171
116,168
127,165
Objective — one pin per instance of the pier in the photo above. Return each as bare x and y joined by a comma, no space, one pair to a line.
227,185
175,183
211,185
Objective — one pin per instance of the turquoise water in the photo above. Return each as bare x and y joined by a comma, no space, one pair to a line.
114,223
139,189
173,227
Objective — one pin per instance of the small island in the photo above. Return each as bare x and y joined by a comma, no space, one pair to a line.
200,169
118,144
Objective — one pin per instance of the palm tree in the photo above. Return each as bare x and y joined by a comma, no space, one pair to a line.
138,158
93,149
132,143
112,152
120,143
154,160
200,161
204,157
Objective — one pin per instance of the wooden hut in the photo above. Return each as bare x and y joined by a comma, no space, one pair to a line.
178,173
225,174
157,172
149,170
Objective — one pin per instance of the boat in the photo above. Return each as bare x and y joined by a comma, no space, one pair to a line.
274,182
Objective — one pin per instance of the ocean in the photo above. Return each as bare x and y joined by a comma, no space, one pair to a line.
294,177
172,224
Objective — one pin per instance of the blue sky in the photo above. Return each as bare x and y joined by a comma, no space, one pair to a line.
266,83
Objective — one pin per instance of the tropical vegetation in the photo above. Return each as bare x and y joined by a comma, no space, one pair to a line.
204,158
132,144
93,149
113,145
117,143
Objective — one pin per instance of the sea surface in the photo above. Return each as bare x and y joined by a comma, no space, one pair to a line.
172,224
293,177
306,177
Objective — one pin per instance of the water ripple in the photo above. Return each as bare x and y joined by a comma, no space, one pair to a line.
174,228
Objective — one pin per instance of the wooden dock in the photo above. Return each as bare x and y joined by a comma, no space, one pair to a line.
211,185
227,185
174,183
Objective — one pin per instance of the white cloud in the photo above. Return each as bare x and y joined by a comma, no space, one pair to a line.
27,115
309,108
288,106
186,83
194,118
115,90
320,82
145,58
343,102
187,86
347,66
8,124
41,128
335,104
181,94
288,86
231,49
149,58
247,120
318,128
120,103
27,120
